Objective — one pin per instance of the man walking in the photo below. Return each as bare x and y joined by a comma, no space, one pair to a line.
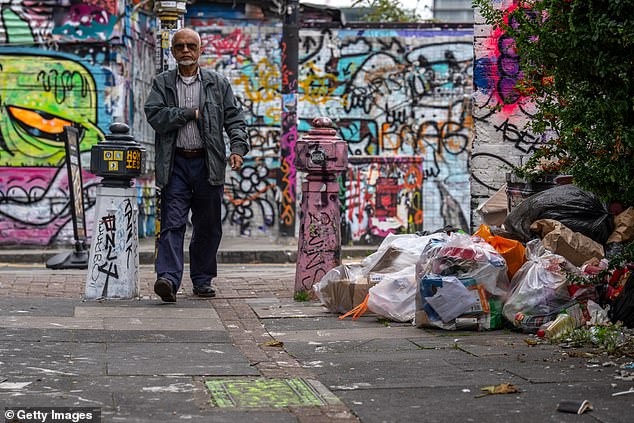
188,107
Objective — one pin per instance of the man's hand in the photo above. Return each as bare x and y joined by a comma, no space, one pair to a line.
235,161
190,113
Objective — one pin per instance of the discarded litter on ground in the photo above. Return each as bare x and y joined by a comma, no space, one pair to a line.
559,266
503,388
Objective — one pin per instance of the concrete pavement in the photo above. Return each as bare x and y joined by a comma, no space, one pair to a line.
266,358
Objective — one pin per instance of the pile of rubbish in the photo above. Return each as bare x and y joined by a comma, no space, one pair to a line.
560,261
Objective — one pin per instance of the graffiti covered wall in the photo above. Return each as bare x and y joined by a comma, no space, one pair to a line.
400,98
500,111
62,63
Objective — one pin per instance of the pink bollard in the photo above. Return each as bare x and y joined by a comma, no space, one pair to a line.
322,155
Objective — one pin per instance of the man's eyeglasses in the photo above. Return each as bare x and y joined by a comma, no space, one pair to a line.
181,46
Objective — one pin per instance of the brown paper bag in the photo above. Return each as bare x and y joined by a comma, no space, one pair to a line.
559,239
623,227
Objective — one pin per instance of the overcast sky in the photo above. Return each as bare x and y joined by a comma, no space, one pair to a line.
423,7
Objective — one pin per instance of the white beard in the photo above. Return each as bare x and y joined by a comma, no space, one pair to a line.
186,62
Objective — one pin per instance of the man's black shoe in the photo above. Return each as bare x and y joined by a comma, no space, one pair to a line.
165,290
204,291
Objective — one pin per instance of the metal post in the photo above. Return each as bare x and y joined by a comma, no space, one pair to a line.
322,155
290,66
113,267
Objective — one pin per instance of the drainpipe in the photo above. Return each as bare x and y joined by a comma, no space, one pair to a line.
290,64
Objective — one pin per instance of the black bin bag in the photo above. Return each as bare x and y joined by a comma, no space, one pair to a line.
579,210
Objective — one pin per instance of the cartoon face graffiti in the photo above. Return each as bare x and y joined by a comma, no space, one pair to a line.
39,95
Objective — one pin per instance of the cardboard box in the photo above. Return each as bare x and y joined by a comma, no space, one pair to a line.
343,295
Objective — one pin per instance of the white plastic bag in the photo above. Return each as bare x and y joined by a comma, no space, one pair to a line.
394,297
540,289
397,252
598,315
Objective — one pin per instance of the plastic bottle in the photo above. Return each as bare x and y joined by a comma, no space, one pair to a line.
541,331
559,327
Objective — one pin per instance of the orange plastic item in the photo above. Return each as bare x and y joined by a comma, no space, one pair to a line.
513,251
358,310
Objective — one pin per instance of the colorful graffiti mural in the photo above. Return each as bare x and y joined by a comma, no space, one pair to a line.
52,21
397,94
86,22
500,111
40,93
393,93
52,75
382,196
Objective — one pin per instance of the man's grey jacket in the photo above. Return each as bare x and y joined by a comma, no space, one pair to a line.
218,109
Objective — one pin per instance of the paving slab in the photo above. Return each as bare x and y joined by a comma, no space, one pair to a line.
33,306
44,390
125,384
50,322
356,334
156,405
494,349
119,336
146,312
118,318
59,399
22,334
159,324
174,359
315,349
326,321
185,302
37,384
156,336
273,308
52,358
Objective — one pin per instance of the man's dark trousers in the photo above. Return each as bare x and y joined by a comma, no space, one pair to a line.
188,188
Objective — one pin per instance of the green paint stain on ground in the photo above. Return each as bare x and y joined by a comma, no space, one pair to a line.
274,393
